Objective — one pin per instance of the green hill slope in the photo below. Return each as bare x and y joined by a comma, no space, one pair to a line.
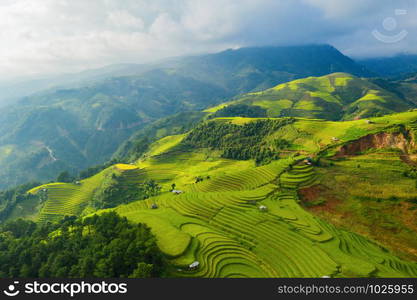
239,218
337,96
332,97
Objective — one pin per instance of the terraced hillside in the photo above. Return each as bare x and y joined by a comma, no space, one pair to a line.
230,235
75,198
337,96
239,219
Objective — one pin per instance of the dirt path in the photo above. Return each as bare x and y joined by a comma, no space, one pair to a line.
51,154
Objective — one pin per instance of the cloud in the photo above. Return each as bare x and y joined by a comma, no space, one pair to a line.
55,36
124,20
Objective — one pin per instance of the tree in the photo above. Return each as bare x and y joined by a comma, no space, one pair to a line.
143,270
64,177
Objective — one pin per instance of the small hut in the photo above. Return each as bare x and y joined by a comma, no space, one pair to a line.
308,161
194,265
177,192
335,139
263,208
154,206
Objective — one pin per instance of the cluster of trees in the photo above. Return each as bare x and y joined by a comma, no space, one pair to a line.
410,173
11,197
136,147
139,142
99,246
281,144
65,176
240,141
112,192
201,178
241,110
259,154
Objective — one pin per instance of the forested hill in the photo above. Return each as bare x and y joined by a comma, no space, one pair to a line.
99,246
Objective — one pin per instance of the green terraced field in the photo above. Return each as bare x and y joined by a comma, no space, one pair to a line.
219,221
67,199
225,231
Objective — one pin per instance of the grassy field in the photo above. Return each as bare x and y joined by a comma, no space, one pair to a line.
243,220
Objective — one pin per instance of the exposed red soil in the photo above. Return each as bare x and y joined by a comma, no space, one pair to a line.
408,215
408,159
312,193
377,141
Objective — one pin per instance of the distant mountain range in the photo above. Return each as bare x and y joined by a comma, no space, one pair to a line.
231,66
246,58
12,90
395,66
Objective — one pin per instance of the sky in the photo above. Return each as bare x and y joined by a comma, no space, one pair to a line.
60,36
